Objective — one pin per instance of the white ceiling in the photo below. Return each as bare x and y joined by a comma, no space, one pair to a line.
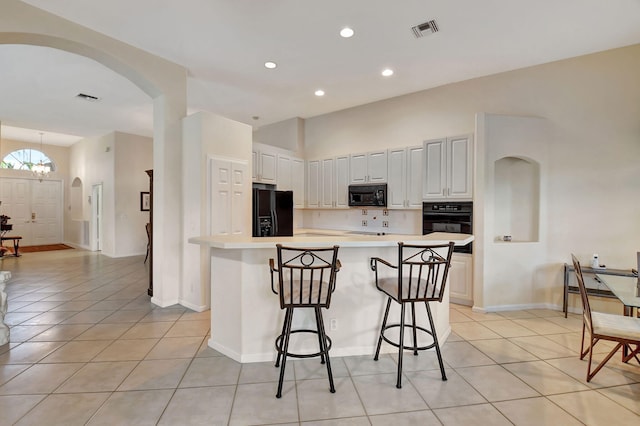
224,44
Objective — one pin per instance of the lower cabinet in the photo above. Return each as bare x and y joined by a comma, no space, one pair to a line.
461,279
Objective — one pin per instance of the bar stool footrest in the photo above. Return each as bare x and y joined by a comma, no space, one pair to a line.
411,348
294,355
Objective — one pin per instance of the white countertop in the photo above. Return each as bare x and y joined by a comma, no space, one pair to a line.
327,238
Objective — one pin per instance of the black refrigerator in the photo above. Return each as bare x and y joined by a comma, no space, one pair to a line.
272,211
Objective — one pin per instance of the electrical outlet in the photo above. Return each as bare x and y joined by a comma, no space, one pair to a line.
364,223
385,223
333,324
385,212
364,212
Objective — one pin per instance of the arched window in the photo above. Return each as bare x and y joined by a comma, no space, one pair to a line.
25,159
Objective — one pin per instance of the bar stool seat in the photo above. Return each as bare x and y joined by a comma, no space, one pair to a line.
420,276
306,278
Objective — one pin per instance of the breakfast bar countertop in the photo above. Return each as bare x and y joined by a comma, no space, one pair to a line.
324,238
245,315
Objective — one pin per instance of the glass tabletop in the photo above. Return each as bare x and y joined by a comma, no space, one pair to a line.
625,288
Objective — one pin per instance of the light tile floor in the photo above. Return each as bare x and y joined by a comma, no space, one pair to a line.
87,347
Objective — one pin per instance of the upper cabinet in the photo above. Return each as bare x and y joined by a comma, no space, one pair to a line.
281,168
313,183
448,172
290,177
341,173
370,167
264,166
328,182
405,178
298,182
284,170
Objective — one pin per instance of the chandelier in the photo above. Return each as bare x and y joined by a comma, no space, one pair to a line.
40,170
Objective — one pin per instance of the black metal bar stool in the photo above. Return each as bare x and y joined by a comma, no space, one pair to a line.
306,279
421,277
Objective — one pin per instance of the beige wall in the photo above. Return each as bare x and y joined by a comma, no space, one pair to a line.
592,106
288,134
117,161
206,135
133,155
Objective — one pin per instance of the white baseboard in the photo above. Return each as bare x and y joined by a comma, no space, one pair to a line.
164,303
519,307
194,307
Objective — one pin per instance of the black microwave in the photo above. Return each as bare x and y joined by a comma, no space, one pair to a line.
368,195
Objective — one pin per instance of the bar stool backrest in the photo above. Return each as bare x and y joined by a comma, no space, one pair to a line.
422,272
586,308
306,276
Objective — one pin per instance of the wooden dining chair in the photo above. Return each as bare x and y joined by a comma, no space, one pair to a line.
624,331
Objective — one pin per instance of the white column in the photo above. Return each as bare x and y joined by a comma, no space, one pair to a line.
4,329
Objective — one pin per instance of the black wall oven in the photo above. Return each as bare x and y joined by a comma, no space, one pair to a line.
449,216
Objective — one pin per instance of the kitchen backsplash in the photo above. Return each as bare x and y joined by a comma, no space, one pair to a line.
353,219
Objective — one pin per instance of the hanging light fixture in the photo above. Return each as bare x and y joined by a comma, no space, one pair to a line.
41,170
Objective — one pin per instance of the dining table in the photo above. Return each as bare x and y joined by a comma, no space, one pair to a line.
627,290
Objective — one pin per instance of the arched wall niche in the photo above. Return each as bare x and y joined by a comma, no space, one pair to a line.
517,199
76,199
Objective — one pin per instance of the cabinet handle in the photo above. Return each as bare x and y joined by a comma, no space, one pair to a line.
444,191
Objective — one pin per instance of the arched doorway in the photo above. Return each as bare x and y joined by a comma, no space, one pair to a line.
163,81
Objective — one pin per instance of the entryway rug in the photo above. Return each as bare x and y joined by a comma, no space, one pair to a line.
45,247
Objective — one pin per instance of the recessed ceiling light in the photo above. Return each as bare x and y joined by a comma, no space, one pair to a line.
270,64
319,92
346,32
387,72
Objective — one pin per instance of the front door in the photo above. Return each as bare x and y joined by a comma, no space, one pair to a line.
35,209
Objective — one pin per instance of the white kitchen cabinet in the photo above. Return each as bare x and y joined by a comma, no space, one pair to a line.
283,178
404,188
228,202
297,182
313,183
370,167
448,172
291,178
461,279
264,168
341,187
328,182
326,170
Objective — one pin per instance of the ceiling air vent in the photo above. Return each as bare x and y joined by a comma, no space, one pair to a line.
425,29
86,97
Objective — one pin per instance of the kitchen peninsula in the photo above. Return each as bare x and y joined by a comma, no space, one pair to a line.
246,316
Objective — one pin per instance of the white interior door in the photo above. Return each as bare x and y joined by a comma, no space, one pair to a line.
96,217
35,209
46,220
